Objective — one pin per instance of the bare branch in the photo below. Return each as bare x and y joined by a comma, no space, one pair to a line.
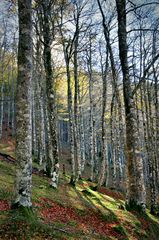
140,6
145,73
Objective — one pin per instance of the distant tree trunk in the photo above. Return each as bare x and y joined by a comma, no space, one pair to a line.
39,104
144,125
91,134
70,112
113,157
34,136
23,107
48,165
13,102
9,100
95,151
118,148
2,104
76,107
89,63
2,57
156,97
136,187
157,127
42,149
82,135
67,49
50,89
104,165
115,145
114,82
151,149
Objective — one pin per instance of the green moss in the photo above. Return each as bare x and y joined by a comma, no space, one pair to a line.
110,217
81,212
120,229
86,191
6,194
72,223
133,206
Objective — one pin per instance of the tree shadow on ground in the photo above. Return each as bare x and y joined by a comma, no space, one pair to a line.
104,213
149,224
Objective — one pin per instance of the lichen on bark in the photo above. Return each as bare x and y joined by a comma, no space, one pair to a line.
23,107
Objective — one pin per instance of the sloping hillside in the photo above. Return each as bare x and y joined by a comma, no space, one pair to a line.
69,212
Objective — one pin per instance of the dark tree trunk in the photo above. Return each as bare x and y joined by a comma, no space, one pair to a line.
50,91
136,187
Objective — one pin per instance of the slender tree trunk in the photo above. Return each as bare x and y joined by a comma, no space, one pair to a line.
48,165
91,129
95,152
42,149
50,90
2,102
39,104
151,152
89,65
34,138
82,135
76,108
114,79
70,112
157,128
156,97
113,157
13,102
2,106
104,165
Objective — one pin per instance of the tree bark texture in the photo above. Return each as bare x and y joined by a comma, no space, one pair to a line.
23,107
50,89
136,187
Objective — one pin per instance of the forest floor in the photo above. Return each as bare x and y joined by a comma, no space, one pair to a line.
69,212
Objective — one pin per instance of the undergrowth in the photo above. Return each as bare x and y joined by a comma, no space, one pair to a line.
78,212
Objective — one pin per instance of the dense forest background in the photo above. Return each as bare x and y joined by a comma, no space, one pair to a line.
83,96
